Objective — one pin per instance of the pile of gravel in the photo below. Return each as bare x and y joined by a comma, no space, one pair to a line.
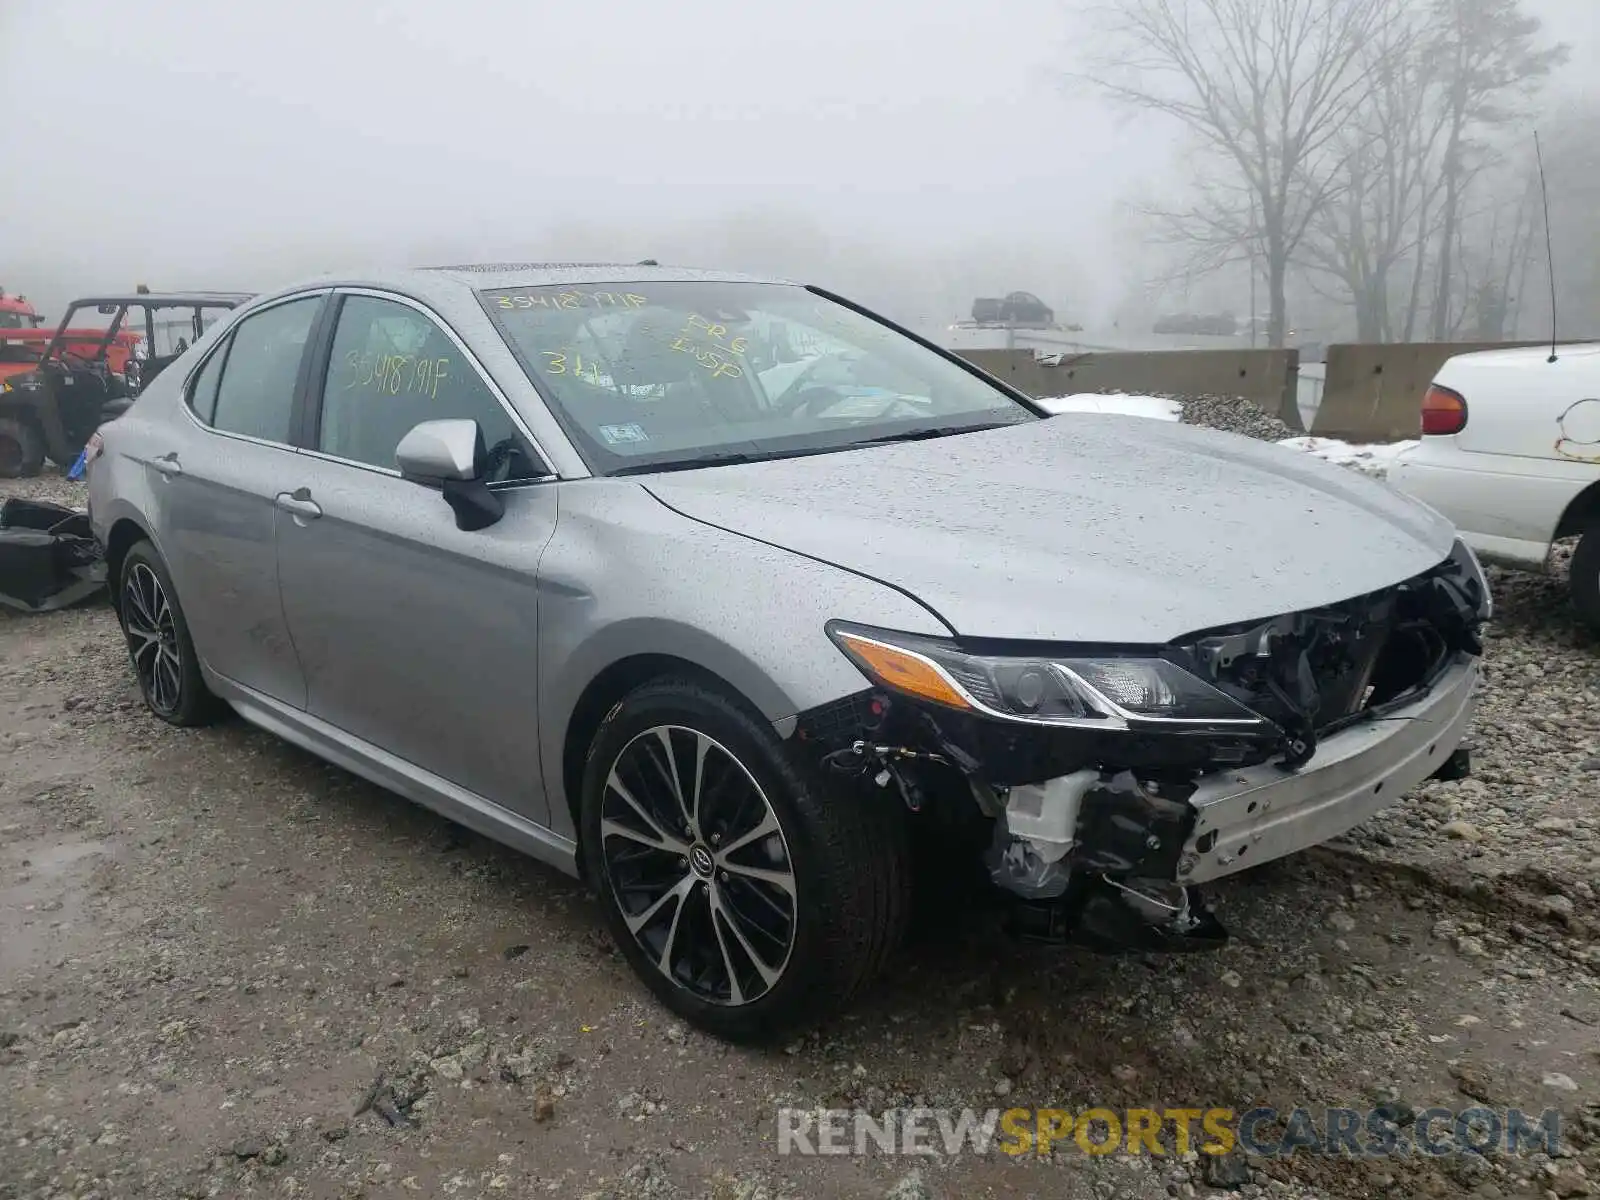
1233,415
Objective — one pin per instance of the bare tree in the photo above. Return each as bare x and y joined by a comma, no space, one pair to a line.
1379,220
1266,87
1407,236
1490,60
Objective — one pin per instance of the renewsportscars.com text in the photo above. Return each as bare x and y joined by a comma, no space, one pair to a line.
1261,1132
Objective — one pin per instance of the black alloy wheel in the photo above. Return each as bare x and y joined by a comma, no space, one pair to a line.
753,894
152,640
159,645
698,865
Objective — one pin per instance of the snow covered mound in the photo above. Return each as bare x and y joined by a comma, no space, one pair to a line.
1158,407
1371,460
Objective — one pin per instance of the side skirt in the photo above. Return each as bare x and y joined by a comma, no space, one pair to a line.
389,771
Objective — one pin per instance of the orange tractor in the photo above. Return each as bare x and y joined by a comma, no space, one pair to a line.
57,387
23,339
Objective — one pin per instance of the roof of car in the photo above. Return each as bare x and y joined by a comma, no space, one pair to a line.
450,284
533,274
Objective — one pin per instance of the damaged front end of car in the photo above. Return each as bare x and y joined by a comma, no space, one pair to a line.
1108,782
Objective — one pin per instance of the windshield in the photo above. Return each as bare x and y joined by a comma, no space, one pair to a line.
17,320
648,375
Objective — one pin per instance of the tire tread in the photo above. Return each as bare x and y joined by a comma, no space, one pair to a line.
1584,579
30,440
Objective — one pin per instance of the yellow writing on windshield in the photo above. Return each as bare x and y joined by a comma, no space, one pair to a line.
560,362
392,374
572,298
712,347
717,332
712,358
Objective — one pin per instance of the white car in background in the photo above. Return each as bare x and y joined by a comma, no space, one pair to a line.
1510,452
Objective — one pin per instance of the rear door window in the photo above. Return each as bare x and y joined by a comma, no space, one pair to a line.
392,368
203,394
256,395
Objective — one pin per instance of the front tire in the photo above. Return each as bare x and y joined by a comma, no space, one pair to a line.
749,898
159,645
1584,579
21,448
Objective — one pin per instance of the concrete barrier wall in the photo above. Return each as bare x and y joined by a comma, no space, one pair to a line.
1373,393
1266,378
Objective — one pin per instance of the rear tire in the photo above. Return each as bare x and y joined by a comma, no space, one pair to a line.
747,935
21,448
159,645
1584,579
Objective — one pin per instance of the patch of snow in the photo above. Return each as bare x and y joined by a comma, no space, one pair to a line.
1371,460
1160,408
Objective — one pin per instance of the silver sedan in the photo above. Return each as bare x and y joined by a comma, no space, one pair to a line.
725,592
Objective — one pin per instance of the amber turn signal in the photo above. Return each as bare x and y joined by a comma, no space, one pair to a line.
902,670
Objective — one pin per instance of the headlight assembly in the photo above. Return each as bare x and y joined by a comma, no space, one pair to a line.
1099,691
1473,570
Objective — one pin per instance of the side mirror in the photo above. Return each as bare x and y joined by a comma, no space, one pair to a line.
435,451
449,455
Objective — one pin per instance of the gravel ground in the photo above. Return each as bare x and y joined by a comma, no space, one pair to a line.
1233,415
228,969
51,485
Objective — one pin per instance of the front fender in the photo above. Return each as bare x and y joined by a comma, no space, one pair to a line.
766,683
626,577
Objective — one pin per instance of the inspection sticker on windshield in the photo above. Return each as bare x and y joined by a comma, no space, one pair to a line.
616,435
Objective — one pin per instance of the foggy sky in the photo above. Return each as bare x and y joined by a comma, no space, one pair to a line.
241,143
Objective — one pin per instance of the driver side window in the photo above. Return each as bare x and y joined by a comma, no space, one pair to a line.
391,369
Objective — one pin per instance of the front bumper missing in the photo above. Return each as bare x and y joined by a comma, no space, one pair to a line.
1260,813
1106,840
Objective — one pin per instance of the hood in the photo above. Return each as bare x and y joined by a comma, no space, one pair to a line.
1080,528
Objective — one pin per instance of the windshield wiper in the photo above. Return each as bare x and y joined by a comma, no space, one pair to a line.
733,457
726,459
938,431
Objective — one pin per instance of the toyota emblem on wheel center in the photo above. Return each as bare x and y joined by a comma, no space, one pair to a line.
700,860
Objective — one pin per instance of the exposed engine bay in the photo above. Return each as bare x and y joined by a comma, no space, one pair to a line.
1093,821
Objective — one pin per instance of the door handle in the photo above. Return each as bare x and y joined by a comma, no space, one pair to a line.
168,464
299,503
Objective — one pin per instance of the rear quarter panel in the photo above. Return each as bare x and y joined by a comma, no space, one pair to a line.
1520,405
1531,445
120,485
118,481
